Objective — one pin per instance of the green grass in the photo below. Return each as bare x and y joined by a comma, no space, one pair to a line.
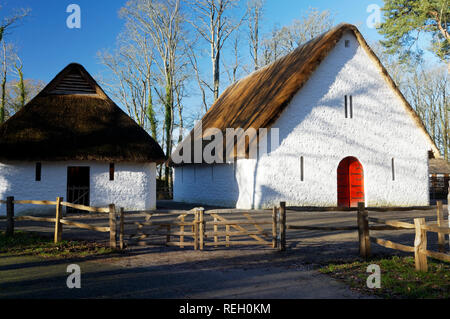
27,243
399,279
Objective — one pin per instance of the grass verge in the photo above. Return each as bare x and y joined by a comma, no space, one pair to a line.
27,243
399,279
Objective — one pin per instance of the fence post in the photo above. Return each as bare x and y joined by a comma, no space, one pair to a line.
448,212
274,227
182,231
420,245
363,231
282,226
112,226
9,216
121,229
196,218
440,223
58,225
201,227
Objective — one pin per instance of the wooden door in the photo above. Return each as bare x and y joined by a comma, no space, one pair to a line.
350,182
78,186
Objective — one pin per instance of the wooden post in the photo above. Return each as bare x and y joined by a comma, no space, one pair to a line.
168,234
122,229
58,225
196,218
216,229
440,223
112,226
227,237
9,216
282,226
182,231
363,231
201,229
274,227
420,245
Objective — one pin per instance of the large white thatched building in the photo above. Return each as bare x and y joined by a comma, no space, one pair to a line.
346,134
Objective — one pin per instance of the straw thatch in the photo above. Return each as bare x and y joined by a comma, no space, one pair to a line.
258,100
438,166
73,119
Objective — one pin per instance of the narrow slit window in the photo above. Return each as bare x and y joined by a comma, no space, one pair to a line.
111,171
351,106
393,169
346,105
38,172
302,173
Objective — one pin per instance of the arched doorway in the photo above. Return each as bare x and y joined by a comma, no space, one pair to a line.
350,182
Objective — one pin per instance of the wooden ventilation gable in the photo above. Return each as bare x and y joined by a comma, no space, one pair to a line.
73,84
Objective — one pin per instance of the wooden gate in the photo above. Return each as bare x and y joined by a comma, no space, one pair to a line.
235,227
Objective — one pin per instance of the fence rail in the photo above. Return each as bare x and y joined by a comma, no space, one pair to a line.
59,220
420,243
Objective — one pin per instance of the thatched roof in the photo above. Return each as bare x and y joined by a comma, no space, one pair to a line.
258,100
73,119
438,166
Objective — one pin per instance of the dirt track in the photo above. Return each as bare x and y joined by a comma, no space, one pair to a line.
243,272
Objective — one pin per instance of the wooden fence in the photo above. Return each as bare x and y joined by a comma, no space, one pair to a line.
199,229
421,228
59,221
420,243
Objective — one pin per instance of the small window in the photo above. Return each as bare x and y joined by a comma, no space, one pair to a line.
351,106
347,43
348,102
302,175
111,171
346,107
38,171
393,169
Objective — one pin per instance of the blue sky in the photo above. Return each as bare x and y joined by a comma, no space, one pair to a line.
46,45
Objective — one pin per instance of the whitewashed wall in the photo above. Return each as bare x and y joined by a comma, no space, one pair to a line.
134,185
314,126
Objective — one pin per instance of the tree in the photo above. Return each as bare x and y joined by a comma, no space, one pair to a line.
10,21
162,22
405,22
214,24
255,12
133,84
283,41
428,91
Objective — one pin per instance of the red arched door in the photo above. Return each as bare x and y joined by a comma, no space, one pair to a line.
350,182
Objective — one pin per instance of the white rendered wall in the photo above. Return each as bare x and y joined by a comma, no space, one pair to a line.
314,126
134,185
214,185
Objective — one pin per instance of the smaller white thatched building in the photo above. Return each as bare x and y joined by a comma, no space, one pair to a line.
73,141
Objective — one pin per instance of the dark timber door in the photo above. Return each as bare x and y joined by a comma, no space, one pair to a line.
78,186
350,182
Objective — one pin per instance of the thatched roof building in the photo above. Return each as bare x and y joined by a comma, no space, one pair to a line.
345,135
259,99
73,119
439,166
